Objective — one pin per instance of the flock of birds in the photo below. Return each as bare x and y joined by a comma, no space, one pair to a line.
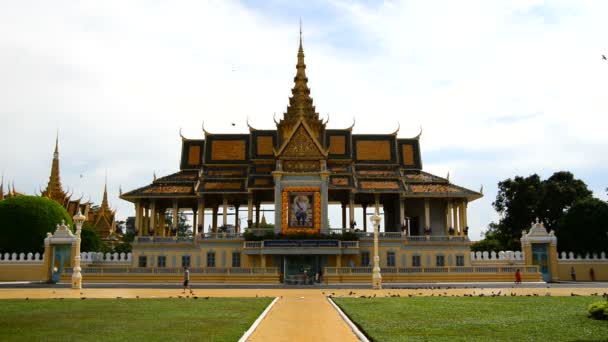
439,293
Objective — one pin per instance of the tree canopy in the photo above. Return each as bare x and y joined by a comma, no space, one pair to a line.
584,228
522,199
25,220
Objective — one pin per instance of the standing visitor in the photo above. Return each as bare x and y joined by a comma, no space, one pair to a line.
592,274
187,280
572,273
517,277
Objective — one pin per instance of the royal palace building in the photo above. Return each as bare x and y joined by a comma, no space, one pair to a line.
299,170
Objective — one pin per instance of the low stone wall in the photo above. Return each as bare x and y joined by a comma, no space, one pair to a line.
486,273
582,266
175,275
22,267
111,259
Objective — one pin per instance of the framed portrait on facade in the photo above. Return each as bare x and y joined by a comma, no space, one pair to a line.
301,210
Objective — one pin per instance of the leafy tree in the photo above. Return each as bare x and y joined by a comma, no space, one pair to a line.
522,199
183,228
560,192
25,220
517,202
90,240
489,243
583,228
130,225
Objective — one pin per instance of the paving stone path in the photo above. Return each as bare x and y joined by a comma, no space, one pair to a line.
303,317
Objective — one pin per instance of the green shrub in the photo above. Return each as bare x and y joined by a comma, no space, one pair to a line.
599,310
25,220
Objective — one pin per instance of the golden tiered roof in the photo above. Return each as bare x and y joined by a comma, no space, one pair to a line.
54,189
300,103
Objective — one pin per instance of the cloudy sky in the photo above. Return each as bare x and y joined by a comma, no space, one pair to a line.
501,88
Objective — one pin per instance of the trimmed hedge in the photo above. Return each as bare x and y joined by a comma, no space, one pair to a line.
25,220
599,310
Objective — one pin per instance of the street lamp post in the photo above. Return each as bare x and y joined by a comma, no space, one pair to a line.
376,276
76,275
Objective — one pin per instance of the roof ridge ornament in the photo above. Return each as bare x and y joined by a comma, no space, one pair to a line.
204,131
398,128
419,134
351,126
251,129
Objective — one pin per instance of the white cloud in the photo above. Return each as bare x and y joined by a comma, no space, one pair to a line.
519,83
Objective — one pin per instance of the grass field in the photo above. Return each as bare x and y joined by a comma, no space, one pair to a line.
476,318
213,319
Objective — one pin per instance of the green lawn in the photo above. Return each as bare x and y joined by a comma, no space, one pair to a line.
213,319
476,319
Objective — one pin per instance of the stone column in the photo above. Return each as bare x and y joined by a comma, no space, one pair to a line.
364,206
249,210
376,276
138,212
214,219
427,214
455,219
462,217
257,215
465,222
278,199
448,218
201,215
146,223
194,221
237,223
175,219
401,213
343,217
263,260
351,212
161,222
339,260
153,213
225,212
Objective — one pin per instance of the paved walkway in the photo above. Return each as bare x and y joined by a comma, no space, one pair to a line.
303,317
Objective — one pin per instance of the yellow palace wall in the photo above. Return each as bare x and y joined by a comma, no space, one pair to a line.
22,272
582,268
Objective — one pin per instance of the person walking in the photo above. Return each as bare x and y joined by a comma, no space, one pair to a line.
572,273
187,280
517,277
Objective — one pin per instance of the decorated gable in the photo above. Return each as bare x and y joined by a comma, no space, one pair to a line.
301,145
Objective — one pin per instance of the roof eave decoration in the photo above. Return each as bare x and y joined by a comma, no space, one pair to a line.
398,128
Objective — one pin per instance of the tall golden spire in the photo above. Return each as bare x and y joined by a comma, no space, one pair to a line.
300,102
54,190
104,202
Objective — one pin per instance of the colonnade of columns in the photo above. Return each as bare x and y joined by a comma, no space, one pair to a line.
150,217
456,218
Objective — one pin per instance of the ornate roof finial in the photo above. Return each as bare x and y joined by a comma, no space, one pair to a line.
448,177
154,175
54,189
481,189
56,154
104,201
419,134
